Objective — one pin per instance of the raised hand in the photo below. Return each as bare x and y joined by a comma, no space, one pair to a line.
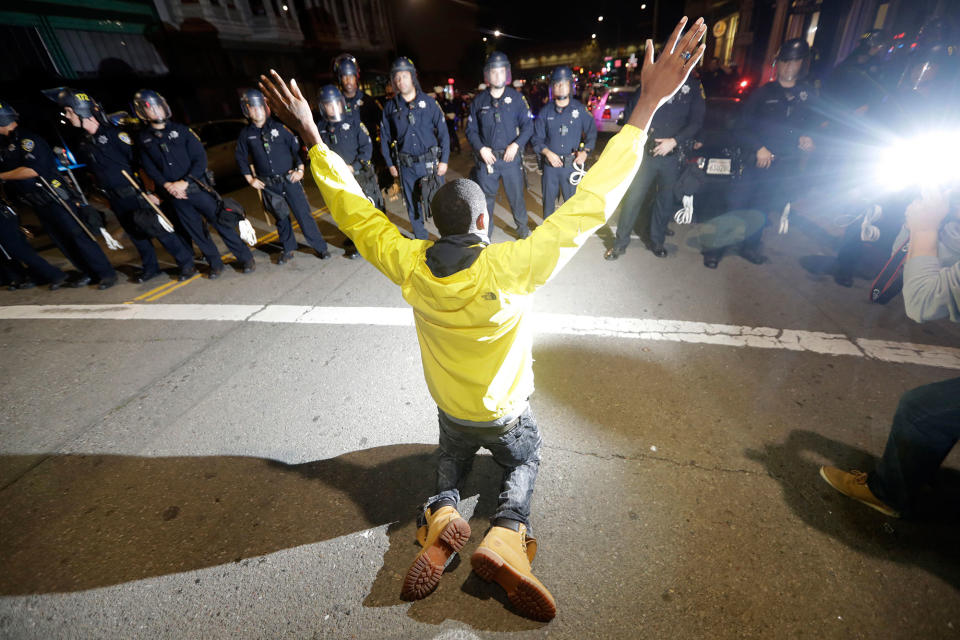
661,79
288,104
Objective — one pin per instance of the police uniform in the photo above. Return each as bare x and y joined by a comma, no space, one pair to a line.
774,117
24,149
496,123
351,141
679,118
565,131
275,151
422,141
175,153
108,153
19,263
366,108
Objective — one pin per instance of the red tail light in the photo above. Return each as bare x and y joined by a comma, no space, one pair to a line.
744,83
606,113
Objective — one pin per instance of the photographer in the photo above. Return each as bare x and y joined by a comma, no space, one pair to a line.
926,425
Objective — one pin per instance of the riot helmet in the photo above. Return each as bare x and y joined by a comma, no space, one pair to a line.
81,103
150,106
794,49
333,107
252,98
345,66
497,60
561,75
8,115
400,65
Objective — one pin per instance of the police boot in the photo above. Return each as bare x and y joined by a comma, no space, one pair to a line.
504,557
444,535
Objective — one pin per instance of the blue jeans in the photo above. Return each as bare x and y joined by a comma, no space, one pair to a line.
517,451
926,427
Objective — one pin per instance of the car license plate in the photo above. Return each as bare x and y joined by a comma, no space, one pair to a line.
718,167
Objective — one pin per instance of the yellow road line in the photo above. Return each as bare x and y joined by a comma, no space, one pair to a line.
173,288
158,292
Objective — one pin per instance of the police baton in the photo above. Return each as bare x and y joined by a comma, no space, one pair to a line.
263,206
395,154
133,183
56,196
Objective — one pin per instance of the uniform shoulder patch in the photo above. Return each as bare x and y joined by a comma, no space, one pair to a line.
27,145
125,138
363,128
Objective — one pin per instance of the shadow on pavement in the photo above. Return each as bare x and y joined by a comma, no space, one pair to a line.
928,541
77,522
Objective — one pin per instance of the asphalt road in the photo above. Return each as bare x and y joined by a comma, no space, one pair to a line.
250,466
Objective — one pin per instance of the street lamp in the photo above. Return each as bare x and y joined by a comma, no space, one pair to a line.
484,38
599,18
593,36
642,7
496,33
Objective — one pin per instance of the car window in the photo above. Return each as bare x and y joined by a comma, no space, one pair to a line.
620,97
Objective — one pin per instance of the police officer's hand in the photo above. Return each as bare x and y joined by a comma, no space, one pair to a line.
764,158
297,175
256,183
552,158
661,79
664,146
486,154
510,152
581,157
177,189
288,104
806,143
394,172
153,199
441,168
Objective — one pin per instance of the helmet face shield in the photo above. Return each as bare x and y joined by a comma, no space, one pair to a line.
333,107
254,105
403,75
496,72
150,106
561,83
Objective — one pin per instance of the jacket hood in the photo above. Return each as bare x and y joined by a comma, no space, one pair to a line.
449,282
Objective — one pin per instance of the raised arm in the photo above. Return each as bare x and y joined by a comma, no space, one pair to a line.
377,239
527,264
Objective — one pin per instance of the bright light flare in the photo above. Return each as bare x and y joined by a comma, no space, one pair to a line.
927,160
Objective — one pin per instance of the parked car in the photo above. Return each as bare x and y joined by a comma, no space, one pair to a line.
219,138
608,113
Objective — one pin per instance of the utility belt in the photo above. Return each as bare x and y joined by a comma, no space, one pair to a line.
429,158
121,193
42,198
278,179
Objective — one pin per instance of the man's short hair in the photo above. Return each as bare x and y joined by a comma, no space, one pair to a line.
457,206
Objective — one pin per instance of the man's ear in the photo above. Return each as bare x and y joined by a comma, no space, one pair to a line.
482,221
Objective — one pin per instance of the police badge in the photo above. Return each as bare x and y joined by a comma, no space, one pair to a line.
274,133
102,139
685,89
346,126
803,95
575,113
508,100
422,104
174,134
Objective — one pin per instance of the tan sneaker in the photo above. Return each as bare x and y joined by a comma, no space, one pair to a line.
854,484
504,557
444,535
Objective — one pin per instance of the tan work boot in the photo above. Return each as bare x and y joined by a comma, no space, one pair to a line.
854,484
504,557
444,535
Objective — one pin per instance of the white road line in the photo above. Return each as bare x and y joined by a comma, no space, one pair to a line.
545,323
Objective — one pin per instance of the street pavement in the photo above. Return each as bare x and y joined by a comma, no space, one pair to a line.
244,458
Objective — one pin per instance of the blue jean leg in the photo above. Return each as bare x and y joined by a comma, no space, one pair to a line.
926,427
517,451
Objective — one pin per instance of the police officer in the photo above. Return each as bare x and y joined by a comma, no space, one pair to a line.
368,108
350,139
413,138
20,266
563,133
108,152
776,136
450,109
498,128
173,157
672,128
274,151
26,161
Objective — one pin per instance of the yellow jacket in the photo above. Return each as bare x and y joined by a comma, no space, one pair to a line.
475,337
